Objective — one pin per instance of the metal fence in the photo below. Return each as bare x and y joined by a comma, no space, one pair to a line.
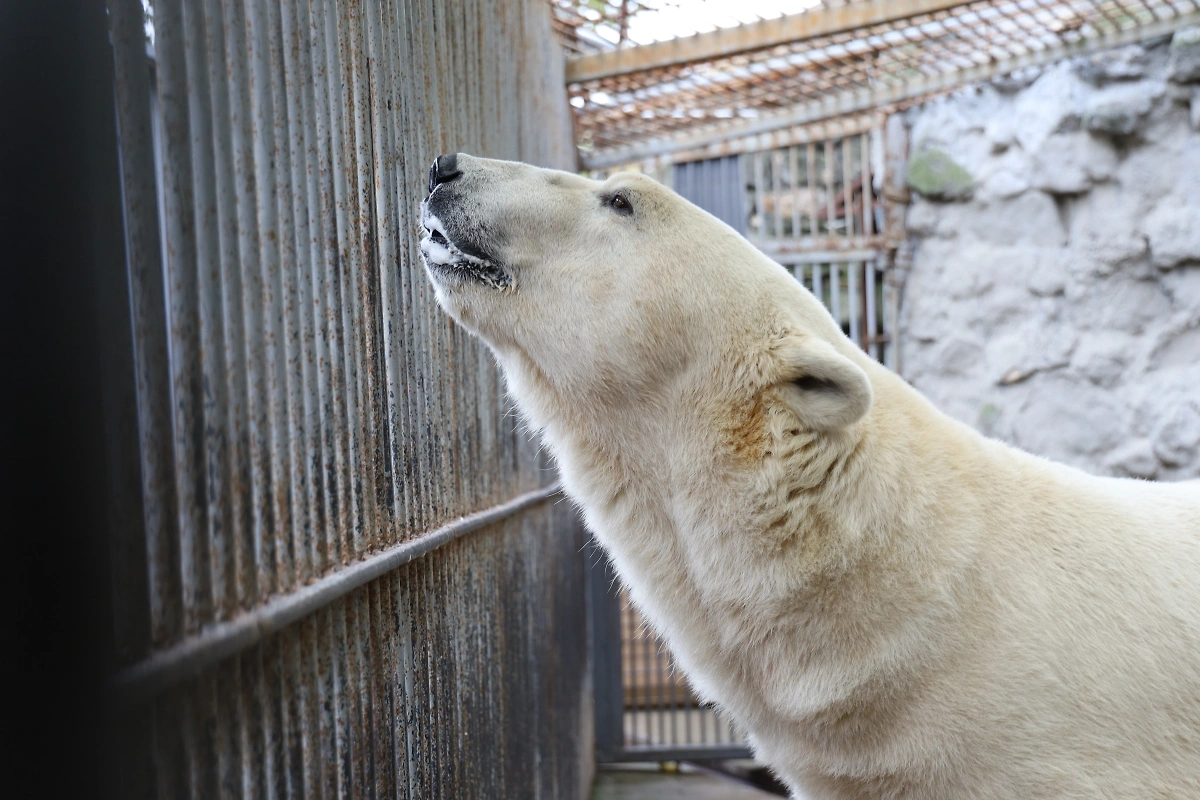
302,609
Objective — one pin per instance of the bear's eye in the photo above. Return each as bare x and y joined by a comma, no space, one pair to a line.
620,203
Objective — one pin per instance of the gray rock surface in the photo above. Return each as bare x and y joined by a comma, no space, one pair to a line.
1122,64
1057,307
1185,55
1121,109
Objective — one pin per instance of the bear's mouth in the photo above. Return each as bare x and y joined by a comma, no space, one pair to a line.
458,262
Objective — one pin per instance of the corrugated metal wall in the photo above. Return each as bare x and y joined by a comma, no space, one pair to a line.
717,186
306,415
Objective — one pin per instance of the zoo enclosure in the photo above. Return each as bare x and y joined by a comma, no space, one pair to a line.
338,570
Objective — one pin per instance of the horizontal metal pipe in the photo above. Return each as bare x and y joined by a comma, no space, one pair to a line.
192,655
698,752
789,258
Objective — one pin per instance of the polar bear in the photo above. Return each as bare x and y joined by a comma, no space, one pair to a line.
890,604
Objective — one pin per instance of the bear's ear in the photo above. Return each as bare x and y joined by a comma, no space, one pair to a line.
824,388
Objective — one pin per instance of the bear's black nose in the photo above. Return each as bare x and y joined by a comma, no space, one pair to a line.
444,169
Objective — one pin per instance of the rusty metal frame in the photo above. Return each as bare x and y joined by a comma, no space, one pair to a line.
672,113
725,42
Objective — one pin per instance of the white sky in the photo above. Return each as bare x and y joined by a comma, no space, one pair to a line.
675,18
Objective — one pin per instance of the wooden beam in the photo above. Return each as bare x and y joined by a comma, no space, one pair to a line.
819,21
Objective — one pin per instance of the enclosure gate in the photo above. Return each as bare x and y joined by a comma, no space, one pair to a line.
819,203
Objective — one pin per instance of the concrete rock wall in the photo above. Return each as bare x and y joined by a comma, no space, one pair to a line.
1053,299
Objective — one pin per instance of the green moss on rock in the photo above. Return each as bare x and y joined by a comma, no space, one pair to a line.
935,175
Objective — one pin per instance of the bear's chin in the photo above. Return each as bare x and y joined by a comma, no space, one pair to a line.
450,267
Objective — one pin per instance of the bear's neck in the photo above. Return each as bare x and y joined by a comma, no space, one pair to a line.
739,564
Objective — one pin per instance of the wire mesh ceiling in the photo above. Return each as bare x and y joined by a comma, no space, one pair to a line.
710,86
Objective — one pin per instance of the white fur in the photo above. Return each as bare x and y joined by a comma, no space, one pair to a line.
891,604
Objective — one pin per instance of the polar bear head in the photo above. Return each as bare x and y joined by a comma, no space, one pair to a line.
607,294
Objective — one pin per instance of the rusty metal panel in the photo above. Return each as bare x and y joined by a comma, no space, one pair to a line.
310,617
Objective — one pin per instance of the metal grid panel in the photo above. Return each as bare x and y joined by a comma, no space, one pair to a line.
857,295
309,419
819,195
660,712
620,115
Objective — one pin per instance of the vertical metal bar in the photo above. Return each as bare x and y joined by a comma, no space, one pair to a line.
817,289
673,699
399,324
777,192
369,396
848,213
268,686
209,252
830,187
228,758
835,288
872,324
333,210
143,252
606,637
303,399
387,164
736,192
760,212
322,248
423,113
344,114
265,306
808,219
242,281
293,718
867,202
170,758
891,348
853,269
183,316
794,172
660,668
283,346
646,644
293,252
